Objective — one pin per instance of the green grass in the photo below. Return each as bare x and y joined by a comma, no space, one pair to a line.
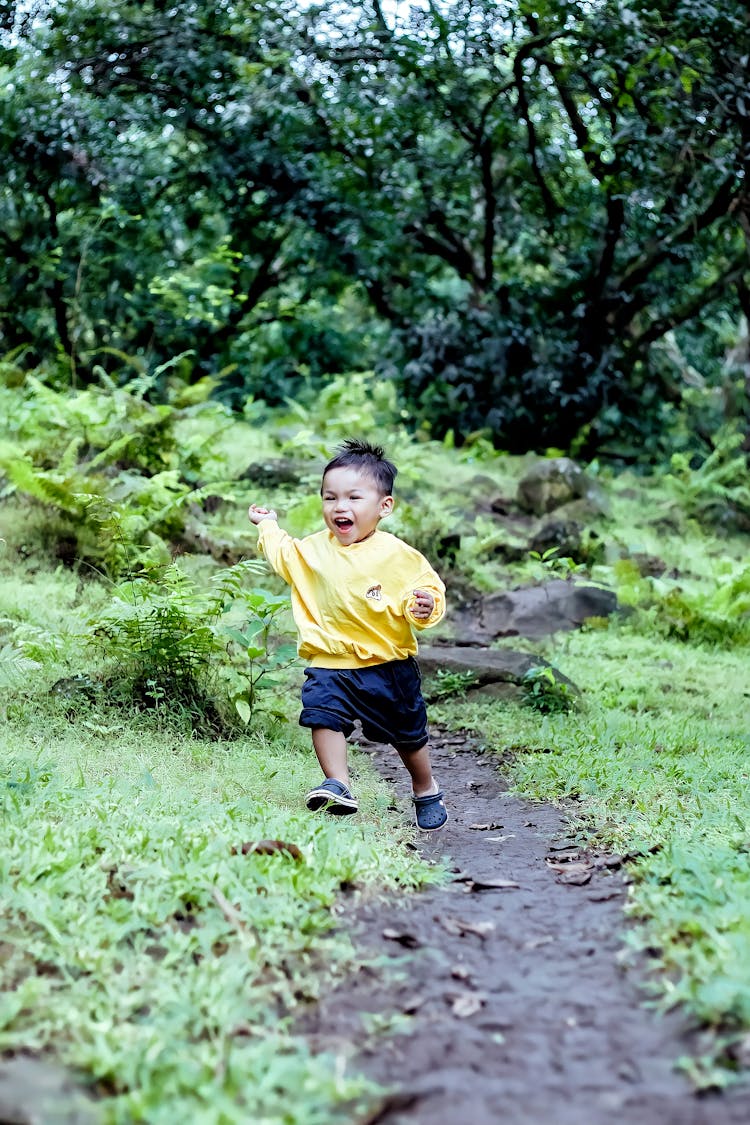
145,950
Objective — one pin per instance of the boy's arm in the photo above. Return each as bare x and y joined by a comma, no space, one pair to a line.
273,542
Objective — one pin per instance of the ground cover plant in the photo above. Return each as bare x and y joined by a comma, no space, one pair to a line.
132,901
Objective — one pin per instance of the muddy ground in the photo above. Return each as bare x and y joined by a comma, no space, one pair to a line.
508,1003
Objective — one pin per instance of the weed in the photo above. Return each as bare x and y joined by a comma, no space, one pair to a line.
544,692
447,684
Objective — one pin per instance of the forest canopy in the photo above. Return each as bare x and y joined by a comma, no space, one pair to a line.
534,218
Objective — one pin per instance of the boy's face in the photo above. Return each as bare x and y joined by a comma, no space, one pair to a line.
353,504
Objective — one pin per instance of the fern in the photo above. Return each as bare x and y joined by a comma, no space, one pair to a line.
70,492
167,638
720,485
14,666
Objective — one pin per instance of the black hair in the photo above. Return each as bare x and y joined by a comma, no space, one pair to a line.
370,459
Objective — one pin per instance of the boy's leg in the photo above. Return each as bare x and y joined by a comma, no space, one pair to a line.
330,747
333,794
429,807
418,764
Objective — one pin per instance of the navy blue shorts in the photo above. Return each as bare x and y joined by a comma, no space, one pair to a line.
386,698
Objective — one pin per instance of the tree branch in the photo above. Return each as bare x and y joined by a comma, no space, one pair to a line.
550,205
660,250
684,312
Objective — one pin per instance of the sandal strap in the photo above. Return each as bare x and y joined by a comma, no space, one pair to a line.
429,798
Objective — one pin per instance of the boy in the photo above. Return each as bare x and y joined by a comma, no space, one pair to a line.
357,595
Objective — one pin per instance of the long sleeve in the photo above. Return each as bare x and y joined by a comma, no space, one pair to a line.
279,549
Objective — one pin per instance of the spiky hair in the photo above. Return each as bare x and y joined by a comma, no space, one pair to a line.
370,459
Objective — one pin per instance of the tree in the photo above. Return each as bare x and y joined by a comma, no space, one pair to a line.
535,199
508,205
146,207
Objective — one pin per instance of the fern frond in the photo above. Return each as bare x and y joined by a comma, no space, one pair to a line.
68,493
14,666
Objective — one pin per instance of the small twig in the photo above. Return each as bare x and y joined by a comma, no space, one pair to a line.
232,915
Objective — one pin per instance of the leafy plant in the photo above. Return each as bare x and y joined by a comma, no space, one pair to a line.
170,644
717,491
447,683
544,692
551,562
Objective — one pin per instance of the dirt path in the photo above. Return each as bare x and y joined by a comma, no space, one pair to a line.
511,1003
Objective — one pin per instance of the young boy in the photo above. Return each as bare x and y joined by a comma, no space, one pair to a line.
357,595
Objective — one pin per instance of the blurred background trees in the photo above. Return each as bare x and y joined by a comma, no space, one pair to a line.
533,217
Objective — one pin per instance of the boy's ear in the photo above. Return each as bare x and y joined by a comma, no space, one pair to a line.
386,506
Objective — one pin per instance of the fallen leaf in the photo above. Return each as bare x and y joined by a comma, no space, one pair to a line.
410,941
565,855
560,867
409,1007
610,861
535,943
485,827
473,884
465,1004
571,870
460,972
269,847
491,885
578,878
458,927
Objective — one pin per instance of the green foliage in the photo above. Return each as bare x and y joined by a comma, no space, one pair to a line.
15,666
115,471
719,615
447,684
129,901
717,491
508,233
170,641
544,692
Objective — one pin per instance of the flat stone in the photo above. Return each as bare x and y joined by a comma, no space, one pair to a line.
490,666
531,611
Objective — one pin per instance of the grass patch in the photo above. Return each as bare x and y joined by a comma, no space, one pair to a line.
142,946
182,960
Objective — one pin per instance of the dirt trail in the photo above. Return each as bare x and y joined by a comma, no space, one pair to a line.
517,1009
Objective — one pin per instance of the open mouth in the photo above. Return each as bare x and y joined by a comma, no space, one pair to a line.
344,524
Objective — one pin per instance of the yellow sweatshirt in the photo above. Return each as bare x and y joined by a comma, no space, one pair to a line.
352,604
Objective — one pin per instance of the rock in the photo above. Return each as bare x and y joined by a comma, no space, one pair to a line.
490,666
275,471
531,611
34,1092
586,509
650,566
549,484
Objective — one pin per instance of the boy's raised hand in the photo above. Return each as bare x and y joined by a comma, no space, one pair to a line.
422,606
256,514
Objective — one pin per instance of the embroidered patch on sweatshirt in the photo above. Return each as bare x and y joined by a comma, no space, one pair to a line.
375,593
